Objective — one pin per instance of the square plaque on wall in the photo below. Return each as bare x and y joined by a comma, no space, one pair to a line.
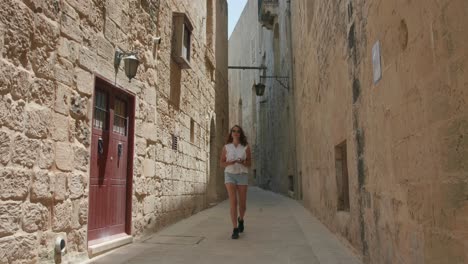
376,62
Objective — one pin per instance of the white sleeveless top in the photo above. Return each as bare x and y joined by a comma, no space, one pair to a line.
233,153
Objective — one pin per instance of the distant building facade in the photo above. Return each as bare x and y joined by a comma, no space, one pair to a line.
87,155
269,119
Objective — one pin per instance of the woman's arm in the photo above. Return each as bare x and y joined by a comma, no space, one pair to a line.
222,161
248,160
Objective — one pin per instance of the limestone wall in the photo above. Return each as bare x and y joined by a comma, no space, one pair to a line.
405,135
50,51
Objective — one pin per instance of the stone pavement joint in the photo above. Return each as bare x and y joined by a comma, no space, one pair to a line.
277,230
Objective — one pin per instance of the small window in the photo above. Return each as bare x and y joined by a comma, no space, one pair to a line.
100,110
181,40
186,43
120,117
341,166
192,131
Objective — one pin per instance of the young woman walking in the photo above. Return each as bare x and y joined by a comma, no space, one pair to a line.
236,159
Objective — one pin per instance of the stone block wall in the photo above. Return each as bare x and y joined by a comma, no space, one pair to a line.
50,53
405,135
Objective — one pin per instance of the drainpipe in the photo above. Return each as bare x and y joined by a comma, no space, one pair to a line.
298,180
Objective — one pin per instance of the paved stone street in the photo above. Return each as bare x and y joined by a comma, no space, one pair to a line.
278,230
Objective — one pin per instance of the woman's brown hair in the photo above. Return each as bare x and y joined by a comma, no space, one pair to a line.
243,138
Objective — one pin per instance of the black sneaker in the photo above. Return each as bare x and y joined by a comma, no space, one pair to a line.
235,233
241,225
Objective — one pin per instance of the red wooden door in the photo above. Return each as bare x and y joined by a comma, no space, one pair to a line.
108,186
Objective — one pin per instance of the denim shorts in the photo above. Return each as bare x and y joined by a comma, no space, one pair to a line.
237,179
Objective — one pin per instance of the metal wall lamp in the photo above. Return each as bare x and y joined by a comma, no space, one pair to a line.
260,87
131,63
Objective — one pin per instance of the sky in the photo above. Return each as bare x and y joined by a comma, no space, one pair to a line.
235,8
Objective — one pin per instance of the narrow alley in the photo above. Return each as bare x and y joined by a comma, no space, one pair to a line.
126,127
279,230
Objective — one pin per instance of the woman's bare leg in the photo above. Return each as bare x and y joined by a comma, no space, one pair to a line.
231,189
242,189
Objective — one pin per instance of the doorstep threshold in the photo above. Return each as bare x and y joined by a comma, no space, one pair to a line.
99,246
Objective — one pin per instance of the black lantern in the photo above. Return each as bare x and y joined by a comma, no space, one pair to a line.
131,63
259,89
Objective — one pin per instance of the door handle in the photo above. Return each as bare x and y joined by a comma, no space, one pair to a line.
119,150
100,146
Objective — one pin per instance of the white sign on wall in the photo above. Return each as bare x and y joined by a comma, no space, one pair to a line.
376,62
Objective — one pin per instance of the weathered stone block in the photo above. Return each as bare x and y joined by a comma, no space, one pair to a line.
70,28
140,186
150,95
14,183
84,81
68,49
76,185
46,33
43,63
64,156
46,155
82,132
83,212
43,92
78,106
50,8
87,59
25,151
64,72
62,216
149,168
19,249
62,99
17,40
81,158
140,146
12,113
149,132
137,166
105,48
75,222
149,204
77,240
60,127
37,121
60,186
10,216
114,10
5,147
5,77
35,217
42,187
21,83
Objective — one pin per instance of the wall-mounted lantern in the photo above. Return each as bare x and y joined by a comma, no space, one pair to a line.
131,63
259,89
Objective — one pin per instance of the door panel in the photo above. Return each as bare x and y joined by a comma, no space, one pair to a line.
108,193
